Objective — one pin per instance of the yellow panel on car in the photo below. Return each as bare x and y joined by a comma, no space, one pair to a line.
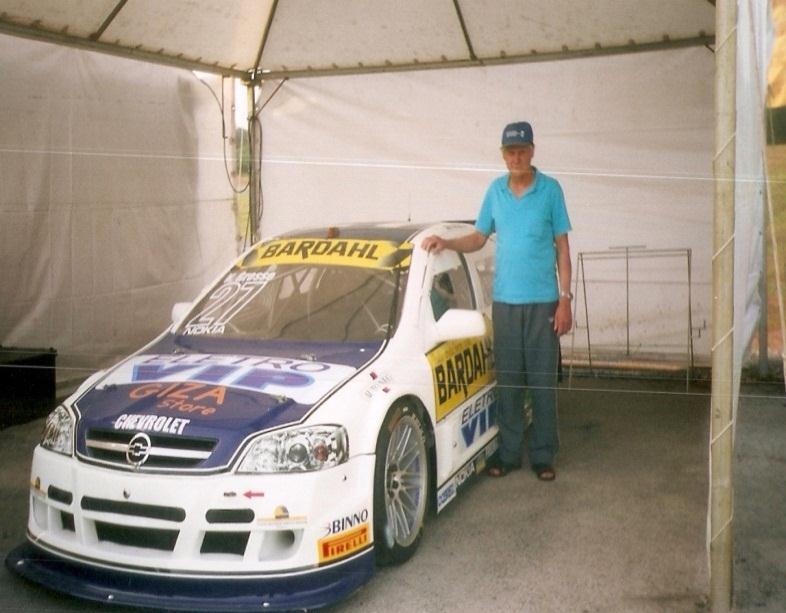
342,252
460,369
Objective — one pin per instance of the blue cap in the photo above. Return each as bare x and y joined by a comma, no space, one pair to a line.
519,133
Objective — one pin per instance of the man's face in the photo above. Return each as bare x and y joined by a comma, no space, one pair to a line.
518,158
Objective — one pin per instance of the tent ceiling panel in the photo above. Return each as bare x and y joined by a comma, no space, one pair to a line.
346,33
72,17
211,31
279,38
515,28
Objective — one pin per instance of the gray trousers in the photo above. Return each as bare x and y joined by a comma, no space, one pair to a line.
526,353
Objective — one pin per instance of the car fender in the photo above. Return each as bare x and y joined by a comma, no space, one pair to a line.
380,402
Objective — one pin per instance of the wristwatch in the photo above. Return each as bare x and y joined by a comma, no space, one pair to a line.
567,295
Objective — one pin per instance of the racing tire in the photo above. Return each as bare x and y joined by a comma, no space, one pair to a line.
401,485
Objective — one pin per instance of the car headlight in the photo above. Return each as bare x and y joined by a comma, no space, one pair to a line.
58,434
296,450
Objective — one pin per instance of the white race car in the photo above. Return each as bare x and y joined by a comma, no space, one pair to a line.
292,427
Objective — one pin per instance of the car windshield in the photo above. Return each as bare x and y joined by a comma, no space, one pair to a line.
269,298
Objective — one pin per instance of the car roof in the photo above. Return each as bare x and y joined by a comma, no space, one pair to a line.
388,231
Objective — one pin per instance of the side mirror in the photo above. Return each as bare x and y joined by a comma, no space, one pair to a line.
179,311
460,323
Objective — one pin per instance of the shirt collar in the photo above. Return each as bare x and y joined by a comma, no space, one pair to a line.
534,186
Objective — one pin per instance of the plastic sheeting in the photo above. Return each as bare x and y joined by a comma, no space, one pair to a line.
754,48
629,137
114,202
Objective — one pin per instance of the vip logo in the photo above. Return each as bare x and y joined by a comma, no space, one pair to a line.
479,417
207,375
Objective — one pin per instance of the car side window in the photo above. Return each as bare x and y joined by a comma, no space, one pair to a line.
451,289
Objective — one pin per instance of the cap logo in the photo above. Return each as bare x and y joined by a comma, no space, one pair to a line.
519,133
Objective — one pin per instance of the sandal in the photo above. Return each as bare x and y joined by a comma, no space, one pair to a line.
545,472
498,468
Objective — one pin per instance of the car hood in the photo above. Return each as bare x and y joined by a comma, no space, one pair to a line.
211,398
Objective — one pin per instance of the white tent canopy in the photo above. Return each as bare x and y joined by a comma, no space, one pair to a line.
254,39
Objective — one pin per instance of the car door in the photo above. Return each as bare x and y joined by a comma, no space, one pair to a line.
462,371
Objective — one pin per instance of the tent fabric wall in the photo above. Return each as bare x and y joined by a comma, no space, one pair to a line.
113,200
629,137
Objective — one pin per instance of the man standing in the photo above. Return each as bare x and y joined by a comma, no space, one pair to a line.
532,304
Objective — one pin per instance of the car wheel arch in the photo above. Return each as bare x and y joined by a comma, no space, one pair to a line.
382,410
406,410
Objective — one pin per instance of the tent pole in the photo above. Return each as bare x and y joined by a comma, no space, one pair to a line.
776,269
764,350
721,419
254,164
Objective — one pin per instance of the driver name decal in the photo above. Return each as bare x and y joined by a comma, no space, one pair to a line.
236,291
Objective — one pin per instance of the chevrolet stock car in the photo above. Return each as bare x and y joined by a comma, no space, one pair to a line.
292,428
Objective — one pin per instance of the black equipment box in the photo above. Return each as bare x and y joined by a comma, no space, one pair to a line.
27,384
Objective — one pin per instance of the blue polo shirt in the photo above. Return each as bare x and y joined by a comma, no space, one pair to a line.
526,227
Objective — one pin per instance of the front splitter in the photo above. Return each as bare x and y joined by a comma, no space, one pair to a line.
308,590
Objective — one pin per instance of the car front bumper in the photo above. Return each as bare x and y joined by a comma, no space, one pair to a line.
198,541
305,590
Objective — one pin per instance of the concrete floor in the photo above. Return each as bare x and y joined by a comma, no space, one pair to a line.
622,529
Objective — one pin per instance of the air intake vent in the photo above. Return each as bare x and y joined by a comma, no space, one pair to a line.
102,505
62,496
229,516
148,538
225,542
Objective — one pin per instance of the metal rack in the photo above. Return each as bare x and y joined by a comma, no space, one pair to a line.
627,253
